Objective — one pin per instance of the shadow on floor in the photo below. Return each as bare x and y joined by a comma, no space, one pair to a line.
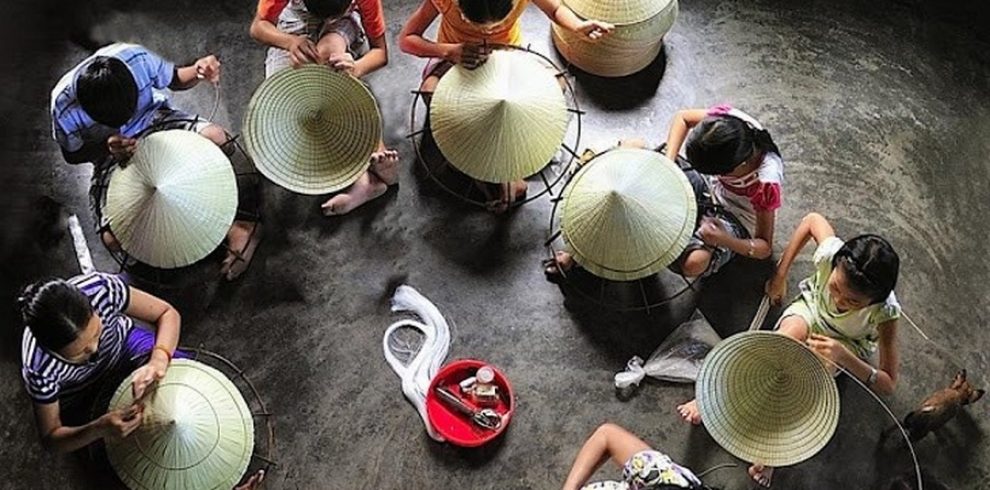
619,93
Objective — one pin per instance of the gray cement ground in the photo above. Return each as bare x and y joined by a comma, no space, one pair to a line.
882,118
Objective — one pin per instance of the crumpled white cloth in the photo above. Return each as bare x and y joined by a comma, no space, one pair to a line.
417,374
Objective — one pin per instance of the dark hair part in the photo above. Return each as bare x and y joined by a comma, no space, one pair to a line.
719,144
106,90
485,11
55,311
327,8
871,266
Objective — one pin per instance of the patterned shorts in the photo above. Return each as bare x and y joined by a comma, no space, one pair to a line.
720,255
347,27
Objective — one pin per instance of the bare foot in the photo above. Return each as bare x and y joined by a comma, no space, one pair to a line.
242,240
561,262
366,188
508,194
762,475
689,412
110,241
385,165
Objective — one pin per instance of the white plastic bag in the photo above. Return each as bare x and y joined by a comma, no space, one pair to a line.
678,358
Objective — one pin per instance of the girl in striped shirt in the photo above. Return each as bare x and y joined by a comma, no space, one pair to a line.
79,330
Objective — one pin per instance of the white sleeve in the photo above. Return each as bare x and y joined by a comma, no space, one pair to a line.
827,249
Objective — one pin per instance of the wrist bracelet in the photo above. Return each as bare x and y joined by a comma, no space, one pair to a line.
167,352
874,374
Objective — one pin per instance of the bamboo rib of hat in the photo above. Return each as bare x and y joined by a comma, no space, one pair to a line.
766,398
197,432
312,130
637,39
175,200
502,121
627,214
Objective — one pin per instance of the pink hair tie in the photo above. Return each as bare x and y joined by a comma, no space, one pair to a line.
719,110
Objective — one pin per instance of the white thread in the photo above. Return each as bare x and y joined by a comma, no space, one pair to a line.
417,374
83,256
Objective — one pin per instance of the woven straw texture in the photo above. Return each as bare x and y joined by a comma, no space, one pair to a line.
312,130
175,200
637,39
502,121
766,398
197,432
627,214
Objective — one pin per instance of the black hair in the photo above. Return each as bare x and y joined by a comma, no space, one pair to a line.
871,266
719,144
106,90
55,311
485,11
327,8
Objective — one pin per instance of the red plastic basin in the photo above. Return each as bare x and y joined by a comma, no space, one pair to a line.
456,428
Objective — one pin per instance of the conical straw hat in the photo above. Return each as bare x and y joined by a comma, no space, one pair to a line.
619,12
766,398
627,214
175,200
640,26
197,432
502,121
312,130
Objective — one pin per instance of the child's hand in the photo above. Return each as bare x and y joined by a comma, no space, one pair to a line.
776,288
121,147
594,29
120,423
302,51
343,62
145,376
712,232
208,68
469,55
829,348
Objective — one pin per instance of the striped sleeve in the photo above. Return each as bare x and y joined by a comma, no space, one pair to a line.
41,388
108,293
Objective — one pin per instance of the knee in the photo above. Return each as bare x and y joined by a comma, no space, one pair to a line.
603,431
795,327
632,143
696,263
214,133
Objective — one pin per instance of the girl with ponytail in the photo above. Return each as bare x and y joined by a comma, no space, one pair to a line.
76,331
737,172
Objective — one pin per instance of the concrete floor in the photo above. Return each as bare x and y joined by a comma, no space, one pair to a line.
881,113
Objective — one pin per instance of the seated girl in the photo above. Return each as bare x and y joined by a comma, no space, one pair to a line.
844,312
737,174
466,29
642,467
331,32
77,332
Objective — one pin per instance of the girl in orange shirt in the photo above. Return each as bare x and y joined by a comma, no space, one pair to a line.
466,29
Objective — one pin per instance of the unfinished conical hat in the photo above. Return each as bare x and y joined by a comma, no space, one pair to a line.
197,432
618,12
174,201
502,121
627,214
766,398
312,130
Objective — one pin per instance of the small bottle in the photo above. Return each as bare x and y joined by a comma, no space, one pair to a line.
485,391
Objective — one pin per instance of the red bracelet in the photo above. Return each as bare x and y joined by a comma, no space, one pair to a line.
166,351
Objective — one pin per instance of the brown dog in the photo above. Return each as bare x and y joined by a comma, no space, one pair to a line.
941,407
